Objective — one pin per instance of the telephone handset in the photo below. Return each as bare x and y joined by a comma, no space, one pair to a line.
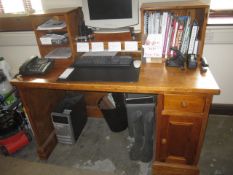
36,66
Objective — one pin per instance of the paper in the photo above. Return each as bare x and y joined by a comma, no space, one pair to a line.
82,47
148,60
131,46
153,46
45,40
53,38
66,73
97,46
52,24
59,53
114,46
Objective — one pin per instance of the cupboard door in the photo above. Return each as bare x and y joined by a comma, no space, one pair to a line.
179,138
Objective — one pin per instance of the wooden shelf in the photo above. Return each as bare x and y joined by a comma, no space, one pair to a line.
196,10
70,16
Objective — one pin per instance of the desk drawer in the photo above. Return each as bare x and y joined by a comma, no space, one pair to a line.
184,103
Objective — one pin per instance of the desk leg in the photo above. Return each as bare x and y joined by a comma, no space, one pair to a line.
39,104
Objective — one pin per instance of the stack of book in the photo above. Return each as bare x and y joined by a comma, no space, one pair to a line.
176,32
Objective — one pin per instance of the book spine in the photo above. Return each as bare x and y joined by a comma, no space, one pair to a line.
195,49
186,41
146,16
163,26
185,35
156,22
174,32
149,22
179,34
168,26
193,38
167,51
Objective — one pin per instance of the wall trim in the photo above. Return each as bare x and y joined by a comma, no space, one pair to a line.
221,109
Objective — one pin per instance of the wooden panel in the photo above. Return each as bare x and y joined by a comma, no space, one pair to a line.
39,104
92,99
196,10
20,23
125,36
153,78
183,103
70,16
159,168
179,138
179,134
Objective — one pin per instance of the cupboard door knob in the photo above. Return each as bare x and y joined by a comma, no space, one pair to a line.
164,141
184,104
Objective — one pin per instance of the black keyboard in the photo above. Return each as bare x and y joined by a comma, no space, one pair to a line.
104,61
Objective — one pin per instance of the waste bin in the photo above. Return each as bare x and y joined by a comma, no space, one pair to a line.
114,111
69,118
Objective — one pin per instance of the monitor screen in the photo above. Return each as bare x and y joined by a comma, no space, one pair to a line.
110,13
110,9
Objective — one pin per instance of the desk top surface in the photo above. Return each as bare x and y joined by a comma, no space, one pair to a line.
153,78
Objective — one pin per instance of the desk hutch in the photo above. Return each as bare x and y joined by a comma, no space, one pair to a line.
183,103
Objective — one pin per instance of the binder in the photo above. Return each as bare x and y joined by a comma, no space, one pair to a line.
185,39
193,37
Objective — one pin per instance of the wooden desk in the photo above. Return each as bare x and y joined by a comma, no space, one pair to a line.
184,99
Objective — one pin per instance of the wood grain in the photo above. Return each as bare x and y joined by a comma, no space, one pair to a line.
160,168
153,78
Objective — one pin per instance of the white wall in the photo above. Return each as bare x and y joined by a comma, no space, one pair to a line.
218,51
16,47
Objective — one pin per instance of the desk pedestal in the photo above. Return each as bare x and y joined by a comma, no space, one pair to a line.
39,104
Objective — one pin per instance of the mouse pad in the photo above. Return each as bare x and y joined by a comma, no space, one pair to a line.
106,74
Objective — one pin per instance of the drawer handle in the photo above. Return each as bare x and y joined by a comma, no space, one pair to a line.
164,141
184,104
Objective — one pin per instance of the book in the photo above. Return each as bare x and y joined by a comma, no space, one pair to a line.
156,23
168,48
179,33
195,49
164,25
153,46
174,32
193,37
146,18
166,37
185,39
150,14
52,24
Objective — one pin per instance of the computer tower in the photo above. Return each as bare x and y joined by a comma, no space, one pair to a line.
69,118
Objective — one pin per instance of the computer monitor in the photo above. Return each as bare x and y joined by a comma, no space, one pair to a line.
110,14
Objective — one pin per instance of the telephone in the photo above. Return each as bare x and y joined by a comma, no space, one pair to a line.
36,66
